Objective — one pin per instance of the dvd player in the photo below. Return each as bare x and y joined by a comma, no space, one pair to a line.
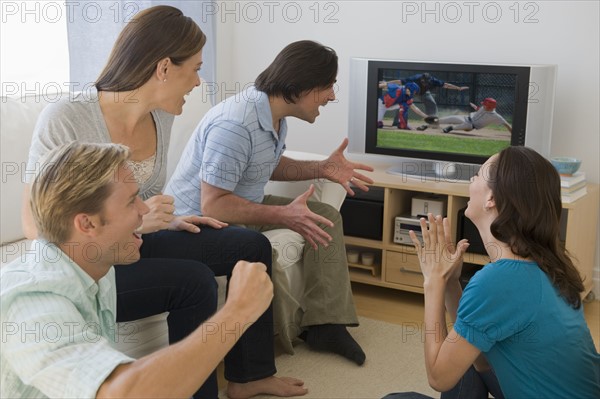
404,224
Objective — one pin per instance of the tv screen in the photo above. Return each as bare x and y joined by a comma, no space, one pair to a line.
455,113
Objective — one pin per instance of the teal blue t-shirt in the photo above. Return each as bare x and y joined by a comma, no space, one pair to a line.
538,345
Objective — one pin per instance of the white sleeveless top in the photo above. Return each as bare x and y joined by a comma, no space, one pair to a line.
143,170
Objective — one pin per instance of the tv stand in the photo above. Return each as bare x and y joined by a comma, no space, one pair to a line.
434,170
396,265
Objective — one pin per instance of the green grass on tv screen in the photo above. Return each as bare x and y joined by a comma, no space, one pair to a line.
459,145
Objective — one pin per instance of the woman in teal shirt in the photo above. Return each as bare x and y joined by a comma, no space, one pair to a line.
522,312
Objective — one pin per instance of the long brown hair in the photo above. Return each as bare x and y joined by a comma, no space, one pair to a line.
151,35
301,66
526,189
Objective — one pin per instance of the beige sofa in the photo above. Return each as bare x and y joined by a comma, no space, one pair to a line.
17,121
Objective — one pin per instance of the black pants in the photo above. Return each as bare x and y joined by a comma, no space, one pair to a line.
172,276
472,385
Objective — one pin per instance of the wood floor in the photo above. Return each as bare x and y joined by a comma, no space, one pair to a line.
400,307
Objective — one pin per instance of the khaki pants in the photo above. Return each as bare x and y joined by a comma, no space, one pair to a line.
327,293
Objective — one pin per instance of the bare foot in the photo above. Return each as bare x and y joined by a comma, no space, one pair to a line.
278,386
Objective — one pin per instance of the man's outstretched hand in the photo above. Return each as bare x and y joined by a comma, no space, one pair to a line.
305,222
340,170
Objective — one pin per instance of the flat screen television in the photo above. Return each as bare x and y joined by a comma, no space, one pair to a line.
474,110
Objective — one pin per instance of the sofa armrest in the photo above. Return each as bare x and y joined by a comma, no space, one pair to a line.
333,194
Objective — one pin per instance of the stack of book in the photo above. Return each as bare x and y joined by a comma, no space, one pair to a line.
573,187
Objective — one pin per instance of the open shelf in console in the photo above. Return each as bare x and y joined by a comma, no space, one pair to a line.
365,259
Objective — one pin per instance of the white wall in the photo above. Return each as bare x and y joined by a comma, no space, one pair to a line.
565,33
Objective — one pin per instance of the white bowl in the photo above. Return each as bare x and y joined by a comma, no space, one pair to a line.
352,256
367,258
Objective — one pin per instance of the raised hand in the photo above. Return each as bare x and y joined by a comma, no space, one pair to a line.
340,170
438,257
250,289
452,249
305,222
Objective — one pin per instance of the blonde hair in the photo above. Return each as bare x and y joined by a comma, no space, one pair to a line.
74,178
153,34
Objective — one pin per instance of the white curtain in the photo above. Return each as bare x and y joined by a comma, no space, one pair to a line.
93,27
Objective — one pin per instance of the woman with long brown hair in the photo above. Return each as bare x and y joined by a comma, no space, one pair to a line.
522,311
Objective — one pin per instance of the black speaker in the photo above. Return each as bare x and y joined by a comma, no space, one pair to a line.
466,229
363,214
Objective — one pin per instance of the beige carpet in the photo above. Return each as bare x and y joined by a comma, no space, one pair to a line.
394,364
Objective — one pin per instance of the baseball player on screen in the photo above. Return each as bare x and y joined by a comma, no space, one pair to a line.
398,97
482,117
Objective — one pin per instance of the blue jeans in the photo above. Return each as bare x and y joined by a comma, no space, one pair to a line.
176,274
472,385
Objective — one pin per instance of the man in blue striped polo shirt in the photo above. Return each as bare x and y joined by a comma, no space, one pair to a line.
238,147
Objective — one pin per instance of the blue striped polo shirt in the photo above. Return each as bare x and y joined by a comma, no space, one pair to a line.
235,147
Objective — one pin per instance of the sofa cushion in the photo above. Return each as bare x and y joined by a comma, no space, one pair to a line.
17,121
142,337
289,247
